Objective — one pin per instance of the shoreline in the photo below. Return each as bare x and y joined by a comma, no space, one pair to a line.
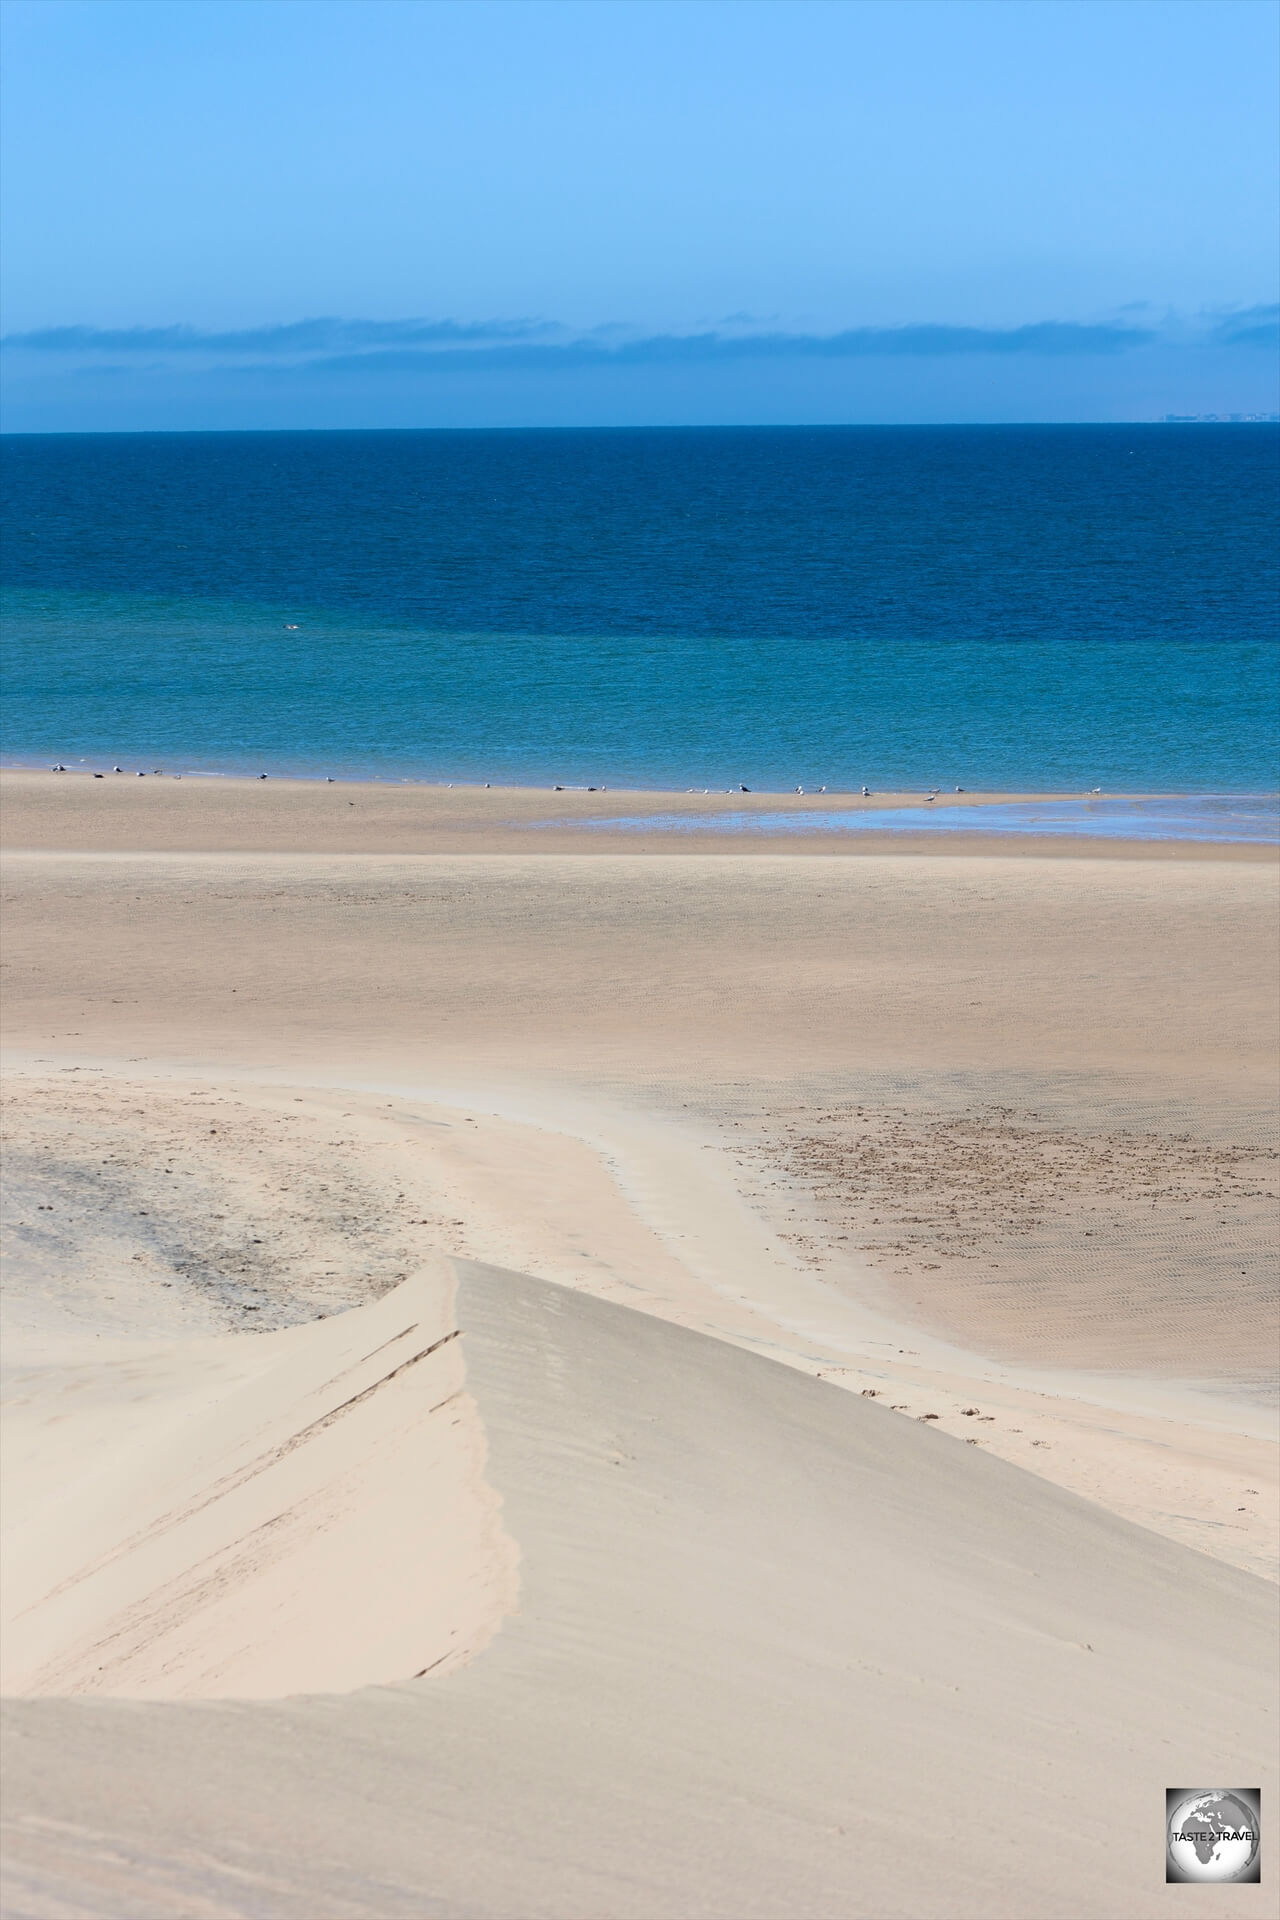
46,811
737,793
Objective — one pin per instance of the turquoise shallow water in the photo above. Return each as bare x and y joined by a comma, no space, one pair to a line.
1016,609
1242,819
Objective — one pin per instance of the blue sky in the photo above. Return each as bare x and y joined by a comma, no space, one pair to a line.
258,213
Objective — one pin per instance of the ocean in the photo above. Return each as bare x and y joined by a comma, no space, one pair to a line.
1011,608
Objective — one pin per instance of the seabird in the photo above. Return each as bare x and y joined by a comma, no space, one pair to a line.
741,788
866,793
117,769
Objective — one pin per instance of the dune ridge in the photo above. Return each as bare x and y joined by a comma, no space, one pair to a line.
253,1516
777,1653
319,1197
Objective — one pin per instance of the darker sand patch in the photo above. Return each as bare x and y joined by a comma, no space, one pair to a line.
127,1204
1033,1238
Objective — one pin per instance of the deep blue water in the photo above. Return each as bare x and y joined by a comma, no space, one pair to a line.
1040,607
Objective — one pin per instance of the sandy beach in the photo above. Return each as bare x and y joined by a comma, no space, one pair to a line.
569,1374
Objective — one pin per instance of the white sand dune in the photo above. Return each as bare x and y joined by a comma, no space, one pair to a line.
202,1519
776,1652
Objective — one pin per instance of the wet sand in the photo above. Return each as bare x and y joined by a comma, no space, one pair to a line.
220,814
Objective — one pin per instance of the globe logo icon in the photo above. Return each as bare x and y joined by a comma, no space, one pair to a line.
1213,1836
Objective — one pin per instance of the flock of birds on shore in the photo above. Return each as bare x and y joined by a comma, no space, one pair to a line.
865,792
330,779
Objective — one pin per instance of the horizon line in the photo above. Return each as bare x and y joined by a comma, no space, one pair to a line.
668,426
